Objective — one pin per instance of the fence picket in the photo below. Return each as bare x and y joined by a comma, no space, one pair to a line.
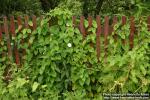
124,19
12,26
89,21
148,23
98,33
19,22
26,21
132,30
34,22
81,27
106,31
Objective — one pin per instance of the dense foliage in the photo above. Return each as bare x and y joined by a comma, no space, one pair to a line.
78,7
59,64
20,7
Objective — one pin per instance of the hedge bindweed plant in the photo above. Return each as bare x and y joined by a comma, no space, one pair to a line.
60,65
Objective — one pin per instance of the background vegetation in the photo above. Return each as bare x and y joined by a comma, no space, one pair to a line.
78,7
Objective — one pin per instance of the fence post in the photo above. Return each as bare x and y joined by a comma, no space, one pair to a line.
98,33
132,30
106,31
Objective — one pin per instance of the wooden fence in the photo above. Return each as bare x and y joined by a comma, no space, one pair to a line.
8,27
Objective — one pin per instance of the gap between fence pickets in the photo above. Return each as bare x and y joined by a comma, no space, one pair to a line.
107,29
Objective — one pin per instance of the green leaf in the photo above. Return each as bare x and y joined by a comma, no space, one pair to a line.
81,82
34,86
93,30
13,38
2,43
39,29
53,73
143,70
44,22
94,24
86,23
42,69
28,30
21,82
69,23
31,40
54,29
88,81
77,31
134,79
44,86
99,89
30,23
122,36
60,22
24,31
144,89
133,76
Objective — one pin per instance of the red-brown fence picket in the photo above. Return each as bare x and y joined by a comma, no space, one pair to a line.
98,33
34,22
132,30
148,23
124,19
81,27
106,32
